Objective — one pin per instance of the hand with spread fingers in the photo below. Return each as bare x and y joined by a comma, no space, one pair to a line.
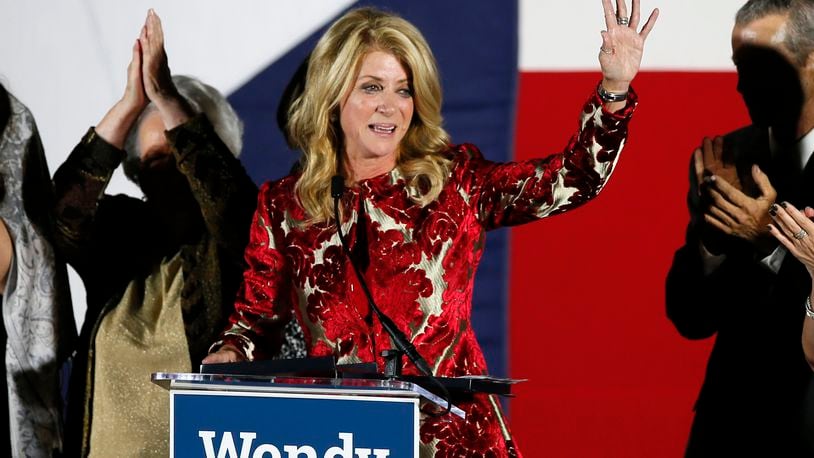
622,46
795,231
733,212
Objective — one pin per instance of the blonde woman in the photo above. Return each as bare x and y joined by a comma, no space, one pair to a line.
415,210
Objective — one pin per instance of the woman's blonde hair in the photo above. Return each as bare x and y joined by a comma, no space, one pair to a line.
313,125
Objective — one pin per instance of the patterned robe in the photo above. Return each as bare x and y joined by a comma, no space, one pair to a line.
422,263
36,303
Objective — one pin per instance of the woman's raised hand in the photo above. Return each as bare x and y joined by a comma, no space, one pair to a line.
134,97
622,44
119,119
156,76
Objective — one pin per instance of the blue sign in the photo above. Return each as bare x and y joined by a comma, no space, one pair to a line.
227,424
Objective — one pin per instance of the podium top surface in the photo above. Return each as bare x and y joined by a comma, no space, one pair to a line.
292,384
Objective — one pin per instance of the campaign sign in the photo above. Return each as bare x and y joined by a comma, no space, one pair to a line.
228,424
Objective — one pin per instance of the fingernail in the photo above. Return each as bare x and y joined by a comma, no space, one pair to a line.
773,210
784,204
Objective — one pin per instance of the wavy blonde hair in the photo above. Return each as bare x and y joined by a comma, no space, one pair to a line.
313,124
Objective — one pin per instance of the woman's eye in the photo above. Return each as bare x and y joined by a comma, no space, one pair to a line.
405,92
371,88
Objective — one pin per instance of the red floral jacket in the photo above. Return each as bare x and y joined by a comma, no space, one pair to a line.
422,263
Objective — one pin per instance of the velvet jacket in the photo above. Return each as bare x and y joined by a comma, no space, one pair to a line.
419,263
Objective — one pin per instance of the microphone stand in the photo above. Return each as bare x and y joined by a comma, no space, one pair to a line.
402,343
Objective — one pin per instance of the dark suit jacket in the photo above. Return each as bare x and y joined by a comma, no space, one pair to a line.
752,399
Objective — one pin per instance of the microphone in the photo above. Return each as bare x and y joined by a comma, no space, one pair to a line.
400,340
337,188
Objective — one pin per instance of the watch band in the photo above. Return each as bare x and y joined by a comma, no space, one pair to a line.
610,96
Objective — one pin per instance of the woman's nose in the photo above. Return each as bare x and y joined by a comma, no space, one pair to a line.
385,108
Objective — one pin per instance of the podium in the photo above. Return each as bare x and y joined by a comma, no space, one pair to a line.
282,416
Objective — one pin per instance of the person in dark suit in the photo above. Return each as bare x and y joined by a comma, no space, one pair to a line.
732,279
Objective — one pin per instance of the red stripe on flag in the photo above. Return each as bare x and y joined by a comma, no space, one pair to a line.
609,375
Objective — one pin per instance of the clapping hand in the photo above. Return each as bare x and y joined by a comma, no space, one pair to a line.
729,209
794,230
118,120
156,75
148,80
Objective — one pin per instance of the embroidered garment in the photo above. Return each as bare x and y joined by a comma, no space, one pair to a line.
36,303
422,263
119,242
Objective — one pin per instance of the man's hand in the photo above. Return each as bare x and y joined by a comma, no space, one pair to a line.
709,160
734,213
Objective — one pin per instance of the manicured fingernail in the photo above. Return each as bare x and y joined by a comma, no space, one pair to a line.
773,210
784,204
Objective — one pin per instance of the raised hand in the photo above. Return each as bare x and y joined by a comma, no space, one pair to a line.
622,44
794,229
117,122
709,160
134,97
734,213
156,74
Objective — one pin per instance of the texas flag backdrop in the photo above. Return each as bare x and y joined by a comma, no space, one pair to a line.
575,303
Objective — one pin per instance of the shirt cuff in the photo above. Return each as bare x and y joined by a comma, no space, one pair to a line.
710,261
241,343
103,153
775,259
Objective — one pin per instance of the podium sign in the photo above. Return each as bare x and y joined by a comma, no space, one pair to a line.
223,423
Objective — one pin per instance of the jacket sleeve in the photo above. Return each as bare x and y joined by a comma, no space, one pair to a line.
225,193
519,192
79,185
699,297
263,303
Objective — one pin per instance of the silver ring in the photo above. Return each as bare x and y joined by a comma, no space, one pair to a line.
800,235
606,51
622,20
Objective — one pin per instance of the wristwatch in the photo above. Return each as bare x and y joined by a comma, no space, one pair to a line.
610,96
